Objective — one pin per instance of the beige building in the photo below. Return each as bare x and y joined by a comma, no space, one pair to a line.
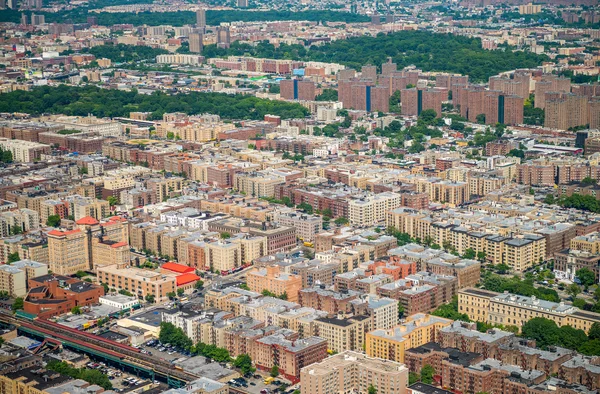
109,252
12,280
370,210
391,344
350,372
68,251
343,334
588,243
279,283
256,184
139,282
223,255
24,151
98,209
14,277
522,253
515,310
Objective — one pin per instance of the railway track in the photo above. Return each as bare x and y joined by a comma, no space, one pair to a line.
115,349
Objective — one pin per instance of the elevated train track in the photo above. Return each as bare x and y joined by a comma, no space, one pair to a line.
102,347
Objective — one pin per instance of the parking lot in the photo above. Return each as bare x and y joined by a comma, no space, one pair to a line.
162,352
256,385
121,381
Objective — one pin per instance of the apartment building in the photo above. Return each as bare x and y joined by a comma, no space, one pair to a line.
272,279
14,277
510,309
343,334
25,219
307,226
289,355
68,251
138,281
354,372
391,344
109,252
257,184
25,151
326,300
295,89
372,209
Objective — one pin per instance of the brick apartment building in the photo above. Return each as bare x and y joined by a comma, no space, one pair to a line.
295,89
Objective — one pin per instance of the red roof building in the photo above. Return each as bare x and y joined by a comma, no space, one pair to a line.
178,268
87,221
185,279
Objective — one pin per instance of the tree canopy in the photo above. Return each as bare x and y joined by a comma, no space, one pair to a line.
426,50
81,101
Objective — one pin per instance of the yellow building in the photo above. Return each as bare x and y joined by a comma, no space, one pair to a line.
109,252
139,282
68,251
589,243
223,255
522,253
31,380
271,279
343,334
515,310
391,344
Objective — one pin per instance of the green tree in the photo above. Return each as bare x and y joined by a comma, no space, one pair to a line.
594,332
150,298
18,304
225,235
171,295
244,363
13,257
306,207
199,285
480,118
371,389
53,221
544,331
586,277
428,116
244,286
427,373
328,95
450,311
549,199
76,310
274,371
169,333
470,254
573,290
401,310
341,221
413,378
587,181
571,338
180,292
112,201
481,256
